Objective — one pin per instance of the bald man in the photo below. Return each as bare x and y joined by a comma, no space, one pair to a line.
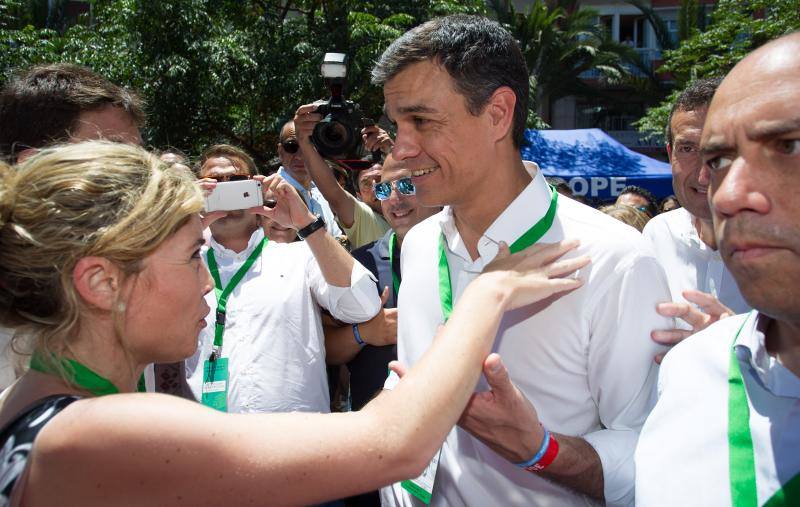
726,428
293,169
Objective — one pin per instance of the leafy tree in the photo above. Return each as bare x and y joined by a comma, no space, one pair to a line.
220,70
736,28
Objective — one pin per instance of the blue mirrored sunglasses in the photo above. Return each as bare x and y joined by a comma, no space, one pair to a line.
384,190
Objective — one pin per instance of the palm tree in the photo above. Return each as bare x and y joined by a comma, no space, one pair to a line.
561,41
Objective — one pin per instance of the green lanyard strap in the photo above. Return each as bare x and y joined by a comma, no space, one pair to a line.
395,278
530,237
740,442
742,462
222,293
78,375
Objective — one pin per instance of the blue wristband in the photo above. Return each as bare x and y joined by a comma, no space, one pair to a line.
542,450
357,336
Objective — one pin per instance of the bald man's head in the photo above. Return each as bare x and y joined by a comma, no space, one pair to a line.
751,148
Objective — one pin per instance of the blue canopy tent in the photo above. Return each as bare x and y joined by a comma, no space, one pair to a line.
595,164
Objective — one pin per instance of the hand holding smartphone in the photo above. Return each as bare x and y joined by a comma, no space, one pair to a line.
234,195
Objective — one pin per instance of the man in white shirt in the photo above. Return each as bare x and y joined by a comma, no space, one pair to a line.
683,239
725,429
457,88
293,169
271,334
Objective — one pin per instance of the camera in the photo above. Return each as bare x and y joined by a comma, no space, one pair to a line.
338,134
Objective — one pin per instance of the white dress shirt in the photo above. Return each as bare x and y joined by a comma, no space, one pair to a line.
682,458
315,201
689,263
273,333
585,361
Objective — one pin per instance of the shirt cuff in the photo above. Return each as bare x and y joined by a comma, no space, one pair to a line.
615,449
357,303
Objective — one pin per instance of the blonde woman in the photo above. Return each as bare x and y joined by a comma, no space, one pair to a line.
99,245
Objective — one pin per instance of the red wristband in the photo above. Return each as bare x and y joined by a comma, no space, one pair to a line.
548,457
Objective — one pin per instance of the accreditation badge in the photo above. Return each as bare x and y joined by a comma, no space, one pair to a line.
215,384
422,487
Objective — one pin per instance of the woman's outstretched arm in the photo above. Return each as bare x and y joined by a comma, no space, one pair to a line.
144,448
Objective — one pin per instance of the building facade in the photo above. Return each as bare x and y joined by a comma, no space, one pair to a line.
622,106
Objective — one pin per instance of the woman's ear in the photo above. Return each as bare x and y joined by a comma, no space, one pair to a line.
98,281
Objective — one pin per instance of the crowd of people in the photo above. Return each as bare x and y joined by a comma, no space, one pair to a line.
483,337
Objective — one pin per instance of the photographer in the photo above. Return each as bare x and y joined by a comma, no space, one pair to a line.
361,220
293,169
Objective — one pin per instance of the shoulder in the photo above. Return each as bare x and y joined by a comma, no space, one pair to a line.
602,237
366,256
424,233
667,224
707,350
364,251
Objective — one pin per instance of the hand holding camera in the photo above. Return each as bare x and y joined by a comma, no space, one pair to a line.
282,203
376,139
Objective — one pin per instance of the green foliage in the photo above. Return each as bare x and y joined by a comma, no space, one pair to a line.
736,28
219,70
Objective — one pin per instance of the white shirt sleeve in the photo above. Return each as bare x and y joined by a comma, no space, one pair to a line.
622,374
357,303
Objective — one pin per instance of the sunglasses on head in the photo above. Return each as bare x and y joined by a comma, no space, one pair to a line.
230,177
290,146
403,186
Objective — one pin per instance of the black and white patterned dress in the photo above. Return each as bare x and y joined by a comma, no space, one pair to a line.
18,436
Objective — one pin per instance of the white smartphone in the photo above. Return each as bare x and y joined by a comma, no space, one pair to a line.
234,195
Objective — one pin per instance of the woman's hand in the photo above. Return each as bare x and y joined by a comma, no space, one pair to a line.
533,274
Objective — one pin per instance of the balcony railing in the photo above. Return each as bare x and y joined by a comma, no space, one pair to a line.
648,56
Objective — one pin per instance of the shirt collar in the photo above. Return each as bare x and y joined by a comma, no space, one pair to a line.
254,240
773,375
690,236
283,173
383,244
525,210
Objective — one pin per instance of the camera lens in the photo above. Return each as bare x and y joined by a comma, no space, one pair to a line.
332,137
334,134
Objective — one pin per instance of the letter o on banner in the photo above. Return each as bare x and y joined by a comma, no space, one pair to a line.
579,186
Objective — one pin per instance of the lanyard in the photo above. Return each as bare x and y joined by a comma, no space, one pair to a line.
223,293
79,375
395,276
530,237
740,444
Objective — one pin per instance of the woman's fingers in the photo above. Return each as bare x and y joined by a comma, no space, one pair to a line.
546,253
565,267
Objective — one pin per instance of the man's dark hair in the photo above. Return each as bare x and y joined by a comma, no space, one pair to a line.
478,54
226,151
652,203
696,96
39,106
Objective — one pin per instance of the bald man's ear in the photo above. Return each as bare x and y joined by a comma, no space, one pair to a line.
501,111
98,281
